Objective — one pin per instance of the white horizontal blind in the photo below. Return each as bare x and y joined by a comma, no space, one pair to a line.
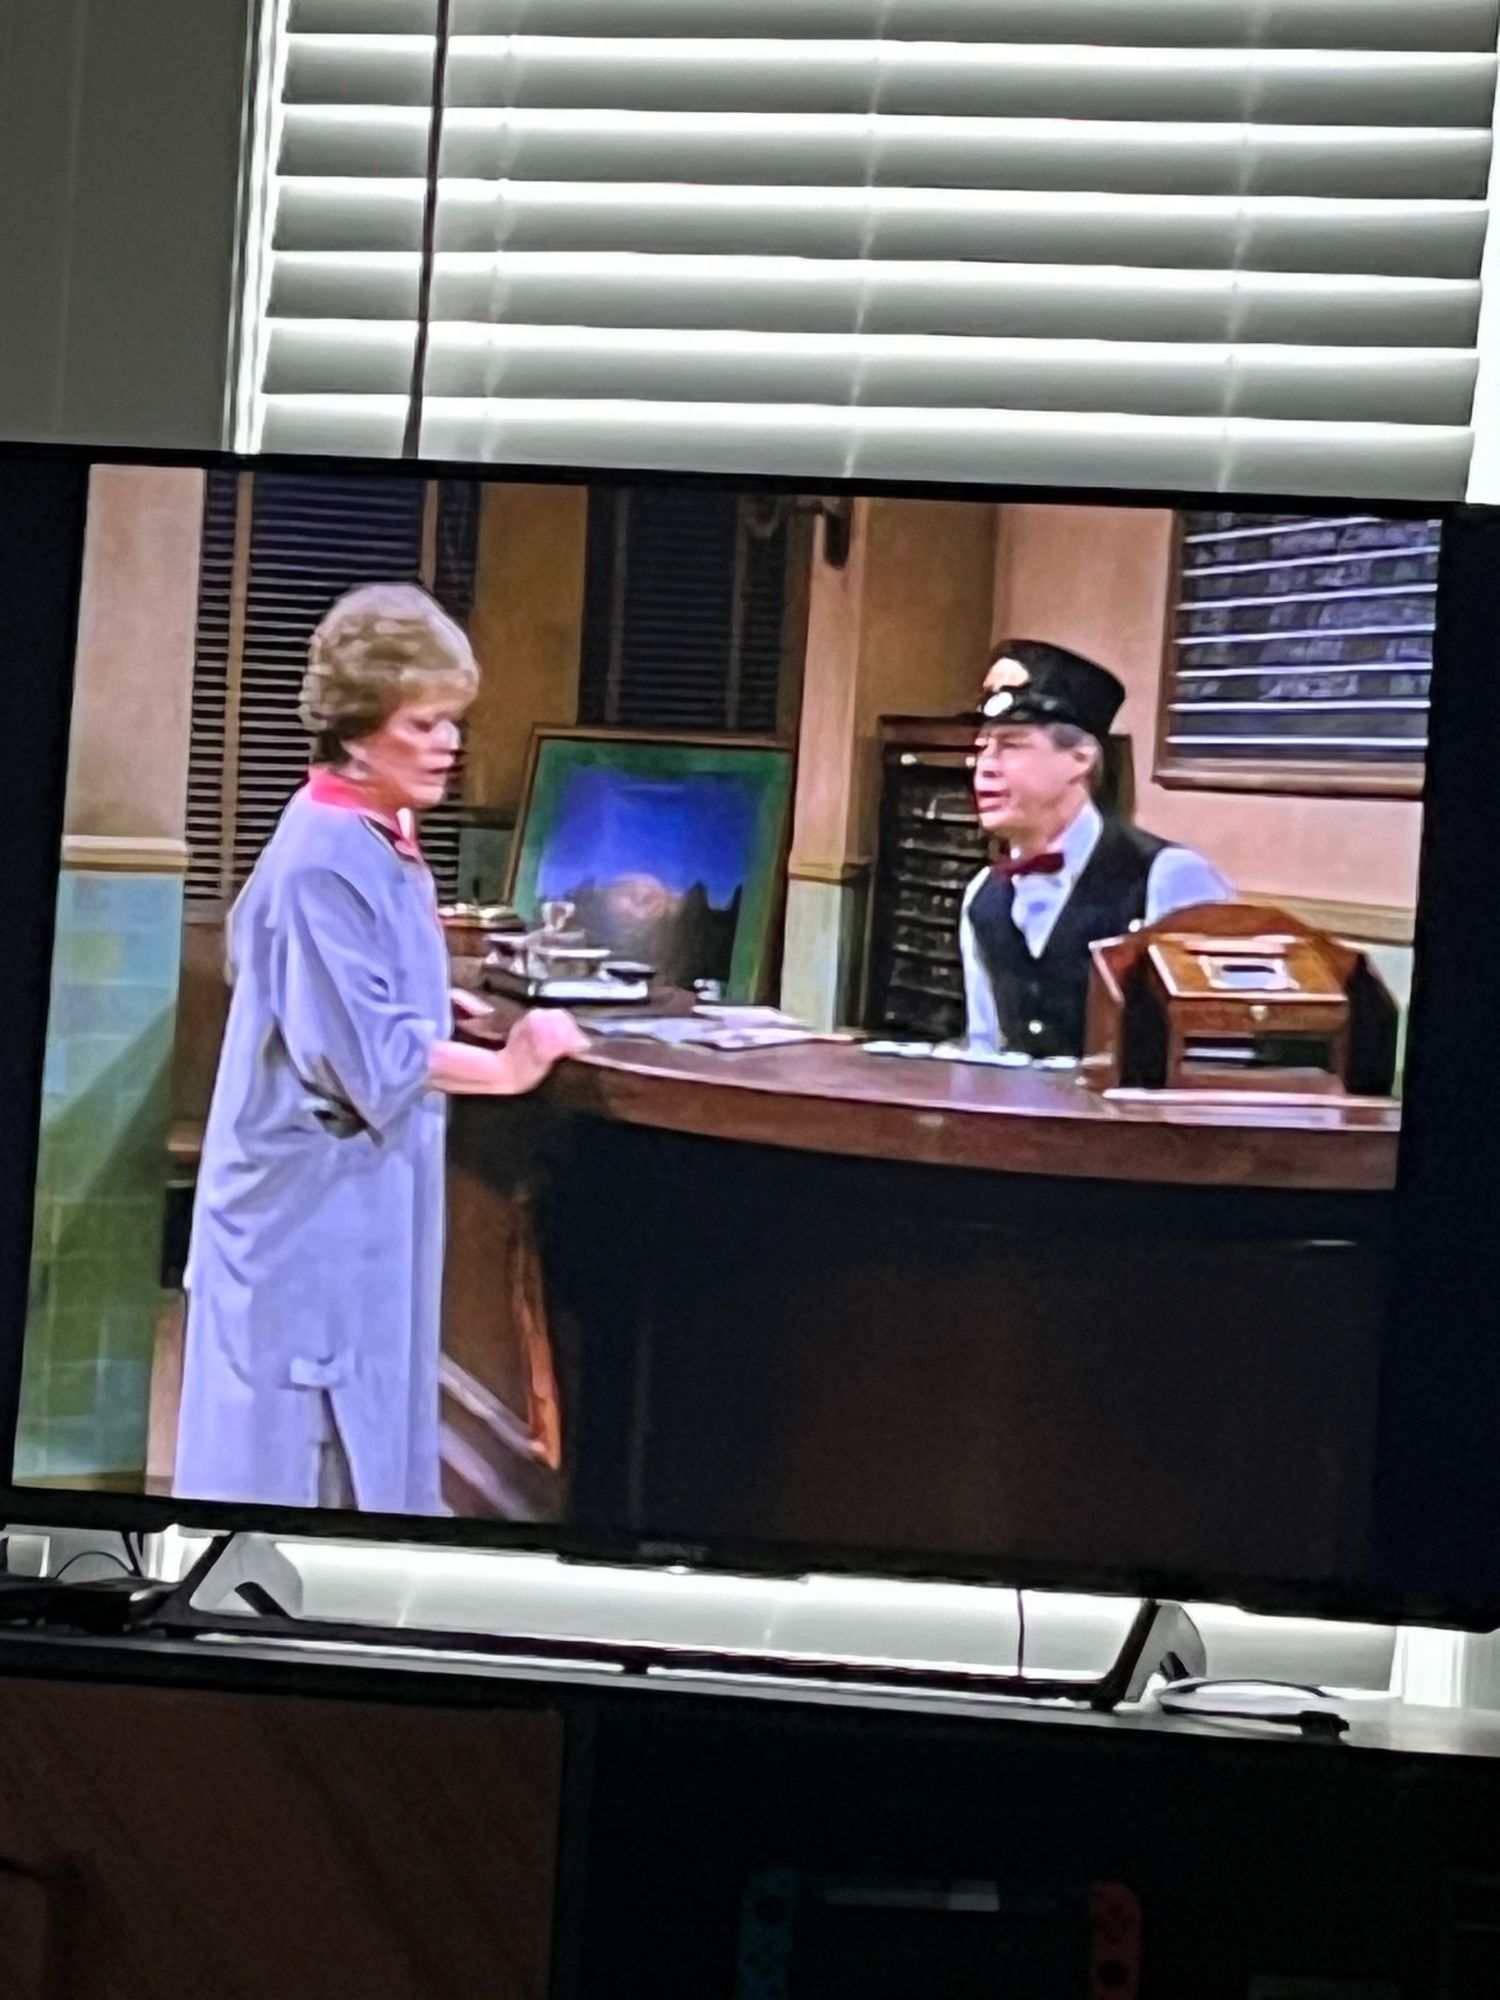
1215,244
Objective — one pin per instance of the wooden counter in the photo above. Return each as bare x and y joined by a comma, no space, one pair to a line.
824,1097
819,1298
833,1097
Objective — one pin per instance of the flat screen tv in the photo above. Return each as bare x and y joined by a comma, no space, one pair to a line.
922,1032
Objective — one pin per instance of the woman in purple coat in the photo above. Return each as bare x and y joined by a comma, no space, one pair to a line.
315,1275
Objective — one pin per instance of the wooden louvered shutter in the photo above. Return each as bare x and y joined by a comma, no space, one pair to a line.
210,765
685,599
455,545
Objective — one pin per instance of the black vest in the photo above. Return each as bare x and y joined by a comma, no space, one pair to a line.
1042,1002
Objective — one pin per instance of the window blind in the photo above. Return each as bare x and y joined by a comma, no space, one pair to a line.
278,548
1302,652
1211,244
684,599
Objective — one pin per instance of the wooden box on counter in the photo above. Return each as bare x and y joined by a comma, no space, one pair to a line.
1232,996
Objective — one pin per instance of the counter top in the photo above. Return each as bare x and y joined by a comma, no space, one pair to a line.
832,1097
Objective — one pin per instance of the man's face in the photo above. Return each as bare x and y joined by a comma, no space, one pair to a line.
1023,780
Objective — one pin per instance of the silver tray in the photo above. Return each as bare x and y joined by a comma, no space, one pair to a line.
599,992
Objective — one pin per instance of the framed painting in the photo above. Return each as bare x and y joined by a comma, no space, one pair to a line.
671,849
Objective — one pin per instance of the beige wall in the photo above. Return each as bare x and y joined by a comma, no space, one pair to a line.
823,810
901,630
1098,580
133,686
527,626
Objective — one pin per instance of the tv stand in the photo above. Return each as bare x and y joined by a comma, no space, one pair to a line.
244,1566
242,1583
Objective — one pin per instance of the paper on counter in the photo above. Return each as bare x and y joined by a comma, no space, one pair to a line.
647,1027
731,1015
686,1031
964,1052
731,1038
950,1052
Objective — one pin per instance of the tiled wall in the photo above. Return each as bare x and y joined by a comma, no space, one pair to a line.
101,1180
822,956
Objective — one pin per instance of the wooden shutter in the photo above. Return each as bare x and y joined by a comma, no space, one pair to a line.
684,607
1301,654
308,538
454,558
209,765
1225,245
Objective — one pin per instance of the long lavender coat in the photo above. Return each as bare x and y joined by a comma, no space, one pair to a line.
316,1261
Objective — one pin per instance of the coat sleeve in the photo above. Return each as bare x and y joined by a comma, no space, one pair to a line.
981,1016
351,1036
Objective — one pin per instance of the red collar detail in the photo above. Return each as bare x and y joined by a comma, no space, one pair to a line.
325,787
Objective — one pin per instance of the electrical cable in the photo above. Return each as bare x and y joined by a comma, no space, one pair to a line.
98,1555
1177,1698
1020,1634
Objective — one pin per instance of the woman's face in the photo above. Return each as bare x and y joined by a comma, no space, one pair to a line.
407,762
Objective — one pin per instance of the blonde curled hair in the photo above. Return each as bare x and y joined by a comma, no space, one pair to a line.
379,647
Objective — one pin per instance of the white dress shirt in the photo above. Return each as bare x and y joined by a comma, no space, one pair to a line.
1178,879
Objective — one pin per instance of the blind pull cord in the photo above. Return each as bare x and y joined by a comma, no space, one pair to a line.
411,443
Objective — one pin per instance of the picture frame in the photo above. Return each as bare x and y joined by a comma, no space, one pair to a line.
670,846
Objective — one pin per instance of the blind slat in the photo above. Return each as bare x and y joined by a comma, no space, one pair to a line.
809,441
1175,378
1329,24
1435,239
824,295
854,149
533,72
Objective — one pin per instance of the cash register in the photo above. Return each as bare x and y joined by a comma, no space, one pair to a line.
1236,996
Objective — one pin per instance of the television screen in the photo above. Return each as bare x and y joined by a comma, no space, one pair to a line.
663,1018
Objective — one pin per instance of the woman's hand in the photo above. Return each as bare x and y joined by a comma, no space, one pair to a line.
538,1042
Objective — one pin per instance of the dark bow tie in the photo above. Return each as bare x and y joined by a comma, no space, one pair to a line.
1011,870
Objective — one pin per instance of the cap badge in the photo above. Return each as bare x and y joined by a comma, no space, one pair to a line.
1000,684
1005,673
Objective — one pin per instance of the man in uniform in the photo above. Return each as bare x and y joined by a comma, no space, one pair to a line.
1065,874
